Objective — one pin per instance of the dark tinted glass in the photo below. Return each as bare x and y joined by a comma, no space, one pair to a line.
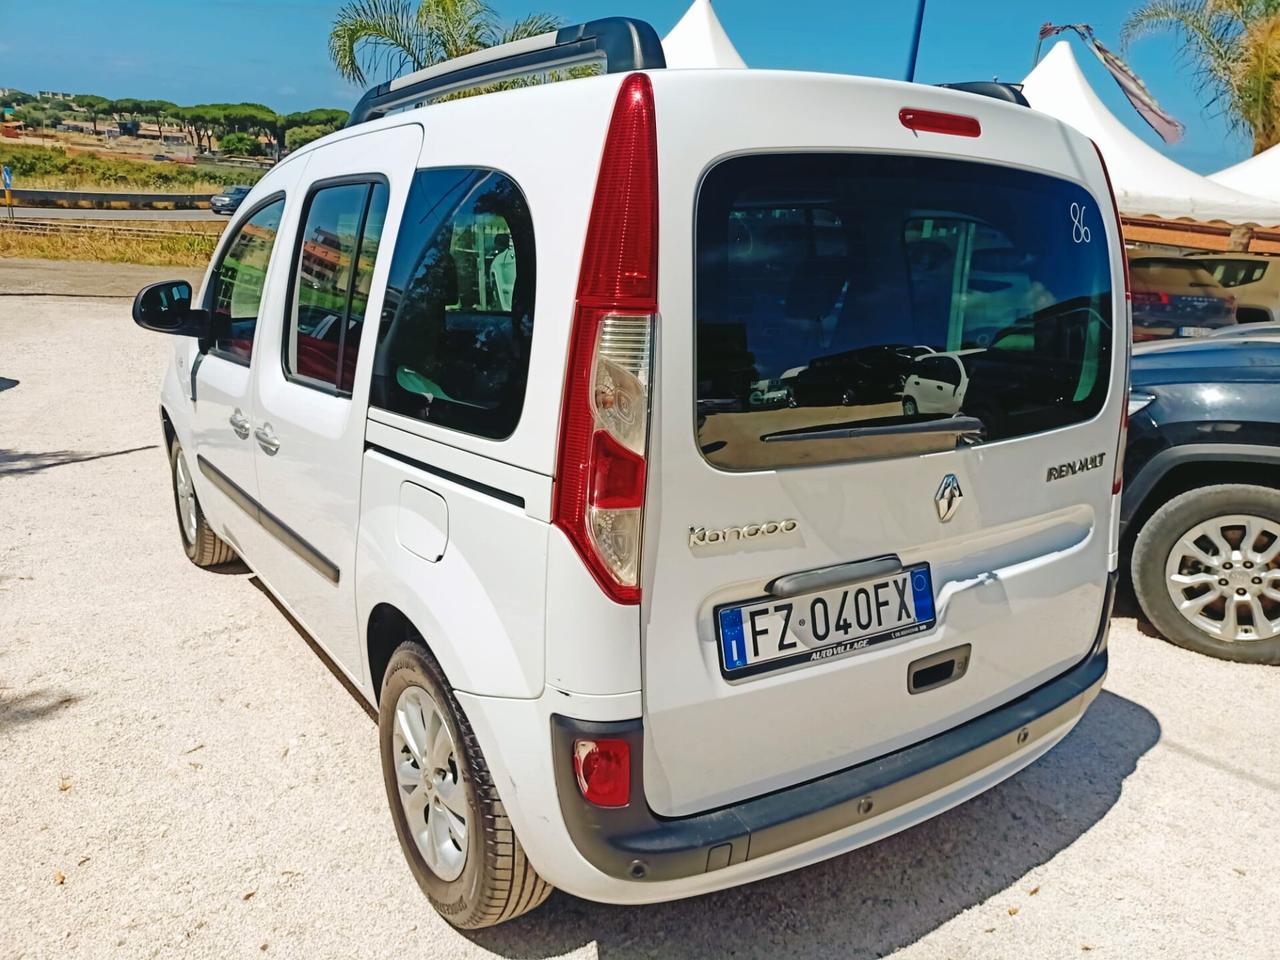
453,344
239,280
333,266
826,282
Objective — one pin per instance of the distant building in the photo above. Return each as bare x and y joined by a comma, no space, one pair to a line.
54,95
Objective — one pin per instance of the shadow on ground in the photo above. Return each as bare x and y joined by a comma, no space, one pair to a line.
23,708
15,462
876,900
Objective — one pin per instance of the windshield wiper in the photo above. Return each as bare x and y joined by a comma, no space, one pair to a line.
967,430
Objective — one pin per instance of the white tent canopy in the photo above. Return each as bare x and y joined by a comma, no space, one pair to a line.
1147,183
1258,175
699,40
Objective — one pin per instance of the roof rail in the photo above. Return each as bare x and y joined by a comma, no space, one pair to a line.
621,43
1008,92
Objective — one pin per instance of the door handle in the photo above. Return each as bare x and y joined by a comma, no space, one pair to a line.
267,439
240,424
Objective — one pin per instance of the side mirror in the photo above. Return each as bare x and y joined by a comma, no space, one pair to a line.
166,308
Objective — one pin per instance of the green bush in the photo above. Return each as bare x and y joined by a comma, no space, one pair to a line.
77,171
239,145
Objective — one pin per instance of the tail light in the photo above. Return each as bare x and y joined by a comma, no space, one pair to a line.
1117,478
603,769
1160,299
931,121
604,424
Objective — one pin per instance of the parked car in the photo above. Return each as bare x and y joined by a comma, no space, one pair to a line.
1252,278
937,383
1201,508
228,202
625,634
873,374
1176,297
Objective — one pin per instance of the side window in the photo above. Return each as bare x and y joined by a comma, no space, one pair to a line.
453,344
333,267
240,278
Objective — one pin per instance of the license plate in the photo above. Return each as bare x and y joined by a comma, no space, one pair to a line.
771,634
1194,331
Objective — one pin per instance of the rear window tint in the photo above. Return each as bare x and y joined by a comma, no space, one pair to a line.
1236,273
836,292
457,321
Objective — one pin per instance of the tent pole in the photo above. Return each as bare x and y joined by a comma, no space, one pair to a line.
915,43
1039,46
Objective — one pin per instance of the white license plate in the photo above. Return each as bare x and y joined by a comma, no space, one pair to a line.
770,634
1194,331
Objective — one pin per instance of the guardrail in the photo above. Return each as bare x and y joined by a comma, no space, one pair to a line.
81,199
50,227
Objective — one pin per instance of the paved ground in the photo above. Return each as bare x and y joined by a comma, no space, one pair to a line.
29,278
180,775
59,213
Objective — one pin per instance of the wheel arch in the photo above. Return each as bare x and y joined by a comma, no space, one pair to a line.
1175,471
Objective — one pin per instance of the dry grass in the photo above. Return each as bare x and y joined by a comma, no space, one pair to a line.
180,249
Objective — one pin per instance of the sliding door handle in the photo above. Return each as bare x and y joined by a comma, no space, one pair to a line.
267,439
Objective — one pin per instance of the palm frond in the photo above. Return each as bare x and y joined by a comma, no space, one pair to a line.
377,37
533,25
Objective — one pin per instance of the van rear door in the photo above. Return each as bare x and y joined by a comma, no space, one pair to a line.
831,575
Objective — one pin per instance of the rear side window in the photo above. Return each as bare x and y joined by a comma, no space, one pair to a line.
240,278
835,278
1236,273
457,322
332,269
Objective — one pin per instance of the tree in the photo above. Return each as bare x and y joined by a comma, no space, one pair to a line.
94,106
386,38
240,145
1233,48
158,111
296,137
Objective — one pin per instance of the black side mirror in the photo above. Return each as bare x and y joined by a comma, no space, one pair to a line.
166,308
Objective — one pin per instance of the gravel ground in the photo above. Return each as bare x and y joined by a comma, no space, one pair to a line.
181,775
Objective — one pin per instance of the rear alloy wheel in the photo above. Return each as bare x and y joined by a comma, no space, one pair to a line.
1206,570
203,547
909,408
453,829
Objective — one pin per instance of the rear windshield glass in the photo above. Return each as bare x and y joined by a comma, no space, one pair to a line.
1236,273
846,305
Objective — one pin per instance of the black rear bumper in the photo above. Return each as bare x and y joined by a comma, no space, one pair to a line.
634,843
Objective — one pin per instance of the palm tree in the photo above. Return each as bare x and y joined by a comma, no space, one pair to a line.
386,38
1233,46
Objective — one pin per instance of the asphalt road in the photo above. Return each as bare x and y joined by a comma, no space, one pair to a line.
181,776
58,213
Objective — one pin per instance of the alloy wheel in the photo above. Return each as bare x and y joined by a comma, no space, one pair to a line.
430,784
1222,577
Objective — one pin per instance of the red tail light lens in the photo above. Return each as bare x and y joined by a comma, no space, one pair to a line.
1117,478
603,769
1160,299
931,121
604,425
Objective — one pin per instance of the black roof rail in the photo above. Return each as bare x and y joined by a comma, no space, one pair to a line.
620,43
1008,92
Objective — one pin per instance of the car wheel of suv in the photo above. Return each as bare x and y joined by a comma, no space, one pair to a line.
204,548
849,397
909,408
452,827
1206,571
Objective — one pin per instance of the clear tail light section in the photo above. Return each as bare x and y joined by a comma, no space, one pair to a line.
604,425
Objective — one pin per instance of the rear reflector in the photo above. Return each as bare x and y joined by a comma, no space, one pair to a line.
603,770
931,121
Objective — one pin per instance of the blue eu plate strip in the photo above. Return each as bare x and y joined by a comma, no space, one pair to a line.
922,590
732,639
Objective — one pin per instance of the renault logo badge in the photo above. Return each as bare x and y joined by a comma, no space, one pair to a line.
948,497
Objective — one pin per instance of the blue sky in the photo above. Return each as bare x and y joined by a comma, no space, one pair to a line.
274,51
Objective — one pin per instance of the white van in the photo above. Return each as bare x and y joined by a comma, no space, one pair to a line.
468,386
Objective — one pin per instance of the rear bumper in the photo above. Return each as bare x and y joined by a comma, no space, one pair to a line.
634,844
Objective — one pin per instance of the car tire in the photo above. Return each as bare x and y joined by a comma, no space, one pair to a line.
203,547
1153,563
849,397
494,882
909,408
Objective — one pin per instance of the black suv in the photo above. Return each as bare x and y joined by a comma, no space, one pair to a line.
1201,507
